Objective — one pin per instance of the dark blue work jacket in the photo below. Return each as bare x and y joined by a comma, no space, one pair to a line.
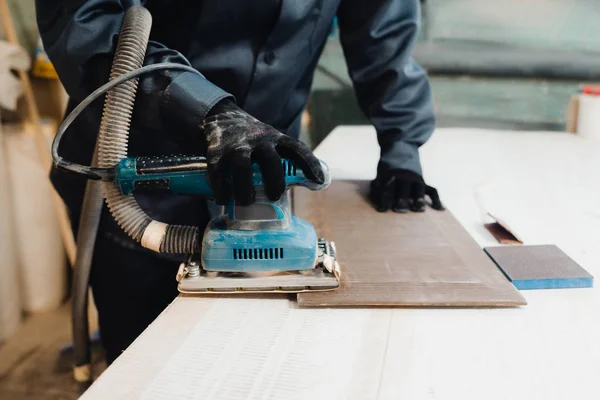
261,52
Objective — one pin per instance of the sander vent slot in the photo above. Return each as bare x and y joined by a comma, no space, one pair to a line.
272,253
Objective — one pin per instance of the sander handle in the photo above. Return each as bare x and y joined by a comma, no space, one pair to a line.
181,174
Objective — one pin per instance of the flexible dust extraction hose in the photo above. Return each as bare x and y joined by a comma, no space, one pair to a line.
111,147
86,238
154,235
114,127
118,109
113,141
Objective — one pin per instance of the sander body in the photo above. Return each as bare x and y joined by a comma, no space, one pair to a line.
261,247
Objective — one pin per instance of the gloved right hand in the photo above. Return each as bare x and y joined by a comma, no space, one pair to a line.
235,140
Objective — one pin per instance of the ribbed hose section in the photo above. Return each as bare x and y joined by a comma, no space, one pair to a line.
180,240
113,142
116,118
86,239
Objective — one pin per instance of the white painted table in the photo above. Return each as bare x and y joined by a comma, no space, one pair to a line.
547,187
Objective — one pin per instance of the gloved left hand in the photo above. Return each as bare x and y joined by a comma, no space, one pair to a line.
402,191
235,140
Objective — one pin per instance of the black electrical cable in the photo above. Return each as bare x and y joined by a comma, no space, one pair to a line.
104,174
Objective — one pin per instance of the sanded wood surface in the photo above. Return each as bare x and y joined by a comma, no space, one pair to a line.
388,259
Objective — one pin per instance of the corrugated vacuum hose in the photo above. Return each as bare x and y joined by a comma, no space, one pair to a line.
86,238
113,137
111,147
114,129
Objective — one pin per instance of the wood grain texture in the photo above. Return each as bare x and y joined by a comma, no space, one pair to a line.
424,259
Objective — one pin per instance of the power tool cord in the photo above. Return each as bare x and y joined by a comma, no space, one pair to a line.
104,174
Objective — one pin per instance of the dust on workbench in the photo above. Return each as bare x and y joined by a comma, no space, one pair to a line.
35,362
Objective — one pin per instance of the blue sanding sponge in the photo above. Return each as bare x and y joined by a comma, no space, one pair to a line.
539,267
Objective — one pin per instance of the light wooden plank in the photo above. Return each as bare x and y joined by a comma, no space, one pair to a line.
547,350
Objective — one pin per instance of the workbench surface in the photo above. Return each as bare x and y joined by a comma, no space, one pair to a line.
546,186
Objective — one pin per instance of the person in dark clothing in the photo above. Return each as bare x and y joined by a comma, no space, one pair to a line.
257,60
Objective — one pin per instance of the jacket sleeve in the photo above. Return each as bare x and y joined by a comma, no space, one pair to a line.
377,37
80,38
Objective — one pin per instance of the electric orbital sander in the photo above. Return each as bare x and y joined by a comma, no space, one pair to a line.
256,248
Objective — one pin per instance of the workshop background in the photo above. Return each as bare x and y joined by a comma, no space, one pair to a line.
502,64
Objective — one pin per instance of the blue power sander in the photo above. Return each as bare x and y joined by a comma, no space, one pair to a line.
260,247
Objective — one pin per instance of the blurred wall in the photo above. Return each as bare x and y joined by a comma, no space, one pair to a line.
23,14
49,93
558,24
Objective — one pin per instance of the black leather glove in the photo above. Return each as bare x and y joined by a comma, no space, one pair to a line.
235,140
402,191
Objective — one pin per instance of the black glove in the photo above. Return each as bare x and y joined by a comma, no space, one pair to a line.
235,140
402,191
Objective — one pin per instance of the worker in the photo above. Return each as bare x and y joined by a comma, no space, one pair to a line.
257,60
